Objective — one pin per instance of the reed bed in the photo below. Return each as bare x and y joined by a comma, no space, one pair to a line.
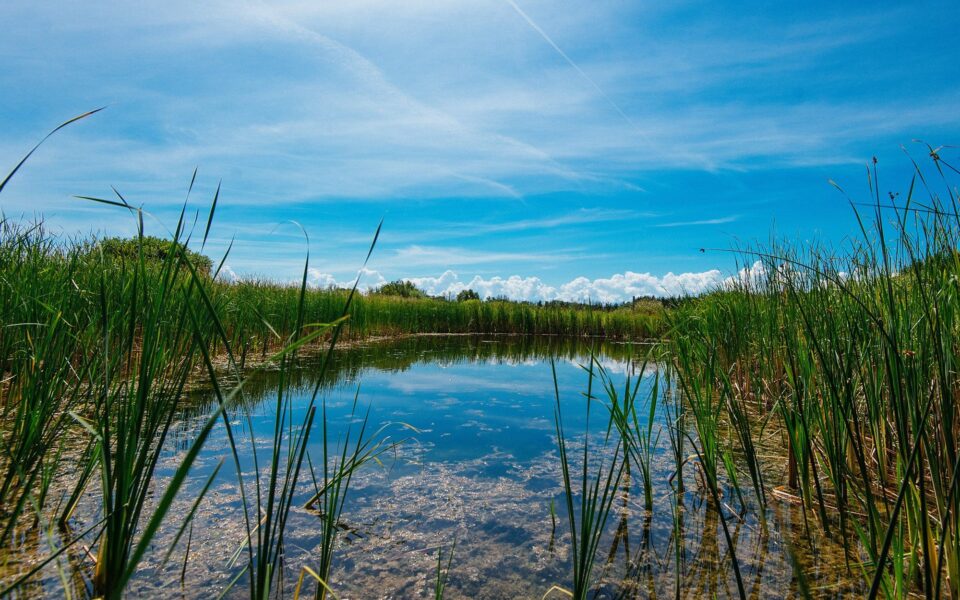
251,305
95,357
847,359
98,349
850,355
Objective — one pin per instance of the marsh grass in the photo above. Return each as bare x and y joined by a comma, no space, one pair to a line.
636,433
443,571
853,352
589,500
330,490
39,389
143,381
96,353
257,312
106,359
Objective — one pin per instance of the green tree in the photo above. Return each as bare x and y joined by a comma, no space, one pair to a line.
467,294
155,250
403,289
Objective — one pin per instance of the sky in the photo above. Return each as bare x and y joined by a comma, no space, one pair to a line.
528,148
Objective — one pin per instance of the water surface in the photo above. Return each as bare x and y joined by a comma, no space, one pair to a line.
476,464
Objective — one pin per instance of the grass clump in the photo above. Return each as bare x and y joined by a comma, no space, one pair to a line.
589,497
853,352
98,345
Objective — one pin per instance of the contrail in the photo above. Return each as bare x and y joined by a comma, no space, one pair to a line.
583,74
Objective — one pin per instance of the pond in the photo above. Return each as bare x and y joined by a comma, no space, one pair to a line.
472,467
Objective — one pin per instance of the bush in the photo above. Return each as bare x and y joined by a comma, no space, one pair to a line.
403,289
468,294
155,250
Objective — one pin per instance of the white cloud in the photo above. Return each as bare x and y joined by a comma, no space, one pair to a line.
750,277
717,221
321,280
375,99
369,279
759,277
440,256
227,274
624,286
617,288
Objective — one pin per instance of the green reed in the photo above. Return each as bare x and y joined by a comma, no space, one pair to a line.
143,381
443,572
258,312
330,490
703,384
599,480
636,433
94,367
96,352
36,351
853,351
275,484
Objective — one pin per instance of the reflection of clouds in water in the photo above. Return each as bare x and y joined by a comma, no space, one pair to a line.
475,425
413,383
495,506
495,361
619,367
513,362
444,402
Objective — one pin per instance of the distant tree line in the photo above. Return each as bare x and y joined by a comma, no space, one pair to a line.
407,289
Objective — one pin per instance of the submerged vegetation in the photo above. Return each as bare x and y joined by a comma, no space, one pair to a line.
825,378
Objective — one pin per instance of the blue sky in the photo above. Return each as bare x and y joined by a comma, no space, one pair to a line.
585,149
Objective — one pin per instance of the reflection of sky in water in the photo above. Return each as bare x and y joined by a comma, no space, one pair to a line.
462,409
467,410
613,366
482,469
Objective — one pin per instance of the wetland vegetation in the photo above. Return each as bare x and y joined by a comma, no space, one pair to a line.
791,434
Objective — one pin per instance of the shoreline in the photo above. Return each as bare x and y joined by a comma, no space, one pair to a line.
315,350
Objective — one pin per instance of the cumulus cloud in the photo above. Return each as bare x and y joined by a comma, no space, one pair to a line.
620,287
750,277
760,276
369,279
228,274
624,286
514,287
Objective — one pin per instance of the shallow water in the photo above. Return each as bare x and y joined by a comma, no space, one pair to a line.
476,465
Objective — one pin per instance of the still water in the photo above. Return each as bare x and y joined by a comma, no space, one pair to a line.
475,464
